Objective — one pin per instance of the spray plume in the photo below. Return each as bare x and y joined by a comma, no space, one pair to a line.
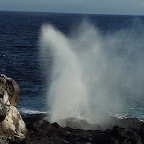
92,72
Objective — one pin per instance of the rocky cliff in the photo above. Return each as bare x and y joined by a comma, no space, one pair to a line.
12,126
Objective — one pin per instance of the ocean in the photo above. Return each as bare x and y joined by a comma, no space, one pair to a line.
122,72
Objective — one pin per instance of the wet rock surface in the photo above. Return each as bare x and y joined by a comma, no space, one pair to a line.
127,131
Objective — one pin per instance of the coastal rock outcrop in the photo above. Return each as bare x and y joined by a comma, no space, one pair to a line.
127,131
12,126
34,129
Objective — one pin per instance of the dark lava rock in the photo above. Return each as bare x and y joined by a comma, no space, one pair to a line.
127,131
119,135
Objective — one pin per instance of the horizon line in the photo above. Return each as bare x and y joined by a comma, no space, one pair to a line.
54,12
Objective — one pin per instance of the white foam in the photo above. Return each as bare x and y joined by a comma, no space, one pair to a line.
30,111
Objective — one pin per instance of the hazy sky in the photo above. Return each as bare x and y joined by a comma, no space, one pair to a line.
76,6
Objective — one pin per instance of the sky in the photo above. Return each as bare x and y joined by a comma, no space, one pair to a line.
126,7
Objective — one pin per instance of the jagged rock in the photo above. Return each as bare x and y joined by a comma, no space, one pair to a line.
119,135
12,126
11,87
43,132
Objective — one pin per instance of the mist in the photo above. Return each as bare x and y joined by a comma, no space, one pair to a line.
93,74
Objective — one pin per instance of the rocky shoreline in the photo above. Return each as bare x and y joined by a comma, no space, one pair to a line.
34,129
126,131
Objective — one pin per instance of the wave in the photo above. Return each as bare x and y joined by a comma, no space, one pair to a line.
82,123
25,111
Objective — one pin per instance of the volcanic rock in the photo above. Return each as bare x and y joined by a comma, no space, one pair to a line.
12,126
11,88
43,132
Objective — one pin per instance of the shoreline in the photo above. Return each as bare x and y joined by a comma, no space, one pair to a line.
123,131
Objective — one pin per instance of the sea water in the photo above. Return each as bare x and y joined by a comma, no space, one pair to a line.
113,71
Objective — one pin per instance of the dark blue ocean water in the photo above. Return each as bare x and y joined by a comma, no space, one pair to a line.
19,51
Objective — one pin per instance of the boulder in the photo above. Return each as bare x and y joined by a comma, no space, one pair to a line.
11,87
12,126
